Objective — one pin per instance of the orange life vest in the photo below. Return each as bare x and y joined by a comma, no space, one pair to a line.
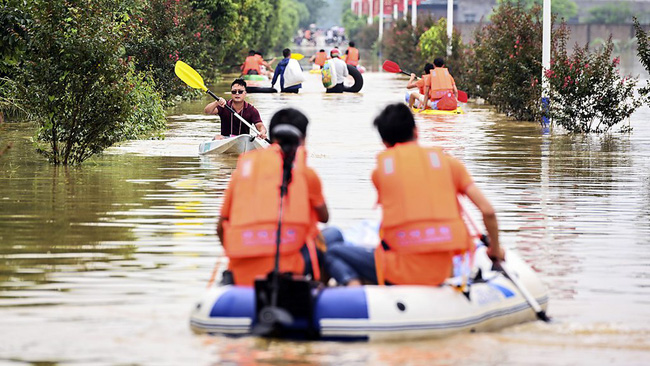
440,83
251,229
320,59
421,213
251,63
352,57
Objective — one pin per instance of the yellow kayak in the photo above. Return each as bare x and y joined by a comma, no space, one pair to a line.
458,110
314,71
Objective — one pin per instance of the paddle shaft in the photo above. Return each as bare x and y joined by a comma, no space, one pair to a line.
530,299
257,133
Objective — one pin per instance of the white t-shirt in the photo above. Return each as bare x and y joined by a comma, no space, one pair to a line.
341,69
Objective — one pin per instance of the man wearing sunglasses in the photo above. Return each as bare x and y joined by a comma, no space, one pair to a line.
231,125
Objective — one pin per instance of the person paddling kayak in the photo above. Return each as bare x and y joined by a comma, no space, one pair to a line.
230,125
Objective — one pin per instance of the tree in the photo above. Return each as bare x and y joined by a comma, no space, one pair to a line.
79,89
566,9
314,7
610,13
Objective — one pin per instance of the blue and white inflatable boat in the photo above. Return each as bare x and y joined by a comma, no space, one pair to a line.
390,312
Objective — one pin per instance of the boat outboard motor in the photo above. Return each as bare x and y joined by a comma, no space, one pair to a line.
284,301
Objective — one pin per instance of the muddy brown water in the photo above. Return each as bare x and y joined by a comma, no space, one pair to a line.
101,264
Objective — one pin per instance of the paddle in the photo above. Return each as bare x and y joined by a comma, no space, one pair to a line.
390,66
192,78
541,314
297,56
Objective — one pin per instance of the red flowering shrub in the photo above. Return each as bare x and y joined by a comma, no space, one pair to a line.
504,62
587,93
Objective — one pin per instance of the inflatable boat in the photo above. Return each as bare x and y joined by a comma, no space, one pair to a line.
489,301
234,145
258,84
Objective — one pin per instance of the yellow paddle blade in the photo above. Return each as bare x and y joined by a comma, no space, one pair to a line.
297,56
186,73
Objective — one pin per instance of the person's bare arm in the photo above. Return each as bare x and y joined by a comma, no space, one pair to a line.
220,229
412,82
322,213
426,97
489,219
262,130
212,107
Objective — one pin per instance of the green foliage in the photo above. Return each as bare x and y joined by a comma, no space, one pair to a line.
506,61
292,13
77,87
611,13
566,9
400,44
433,44
643,51
354,25
161,32
13,21
314,9
587,92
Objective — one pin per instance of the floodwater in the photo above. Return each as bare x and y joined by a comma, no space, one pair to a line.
102,264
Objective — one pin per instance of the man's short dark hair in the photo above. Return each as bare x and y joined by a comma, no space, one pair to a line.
321,50
258,53
286,52
251,53
291,117
427,68
238,81
395,124
351,44
439,62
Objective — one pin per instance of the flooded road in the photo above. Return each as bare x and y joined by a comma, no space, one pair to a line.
102,264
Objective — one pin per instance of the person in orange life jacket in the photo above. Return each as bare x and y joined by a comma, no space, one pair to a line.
231,125
279,71
319,58
420,84
251,65
441,87
352,55
249,215
267,70
421,228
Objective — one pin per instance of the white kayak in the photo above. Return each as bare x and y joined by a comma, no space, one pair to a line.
491,302
232,145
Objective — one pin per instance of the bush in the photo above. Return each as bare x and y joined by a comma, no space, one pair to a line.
400,44
161,32
433,44
587,93
643,51
506,61
76,86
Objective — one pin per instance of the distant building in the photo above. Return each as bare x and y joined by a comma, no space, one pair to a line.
473,11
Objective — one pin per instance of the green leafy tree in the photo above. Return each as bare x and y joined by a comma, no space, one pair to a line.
643,51
161,32
314,8
352,22
83,95
610,13
566,9
400,44
433,44
587,92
